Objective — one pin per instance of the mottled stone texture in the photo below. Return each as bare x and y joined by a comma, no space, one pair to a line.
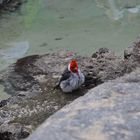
10,5
31,81
110,111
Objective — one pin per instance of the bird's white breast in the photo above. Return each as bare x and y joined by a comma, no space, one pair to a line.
73,83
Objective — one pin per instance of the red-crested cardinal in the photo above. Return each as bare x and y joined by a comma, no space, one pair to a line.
72,78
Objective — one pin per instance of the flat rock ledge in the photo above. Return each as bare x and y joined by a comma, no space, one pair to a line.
31,81
110,111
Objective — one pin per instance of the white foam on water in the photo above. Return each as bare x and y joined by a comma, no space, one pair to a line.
117,14
134,10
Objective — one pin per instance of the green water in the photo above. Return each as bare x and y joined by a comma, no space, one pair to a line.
77,25
83,26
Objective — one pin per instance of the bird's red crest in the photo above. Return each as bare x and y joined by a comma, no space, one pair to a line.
74,66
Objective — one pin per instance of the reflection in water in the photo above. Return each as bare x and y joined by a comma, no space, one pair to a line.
31,11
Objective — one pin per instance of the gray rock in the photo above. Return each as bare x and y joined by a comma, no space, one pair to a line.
110,111
31,81
10,5
13,130
132,53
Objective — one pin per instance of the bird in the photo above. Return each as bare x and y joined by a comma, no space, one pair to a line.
72,78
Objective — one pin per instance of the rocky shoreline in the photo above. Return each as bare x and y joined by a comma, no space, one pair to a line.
31,81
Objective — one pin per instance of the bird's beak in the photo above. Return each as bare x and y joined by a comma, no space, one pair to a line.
76,70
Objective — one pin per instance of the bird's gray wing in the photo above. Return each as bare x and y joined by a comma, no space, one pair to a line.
66,75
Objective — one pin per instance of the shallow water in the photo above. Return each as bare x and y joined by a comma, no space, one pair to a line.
76,25
82,26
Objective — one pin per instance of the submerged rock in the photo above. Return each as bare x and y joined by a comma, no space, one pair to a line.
17,50
31,81
10,5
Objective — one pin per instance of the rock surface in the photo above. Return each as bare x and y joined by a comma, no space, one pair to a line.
10,5
31,81
110,111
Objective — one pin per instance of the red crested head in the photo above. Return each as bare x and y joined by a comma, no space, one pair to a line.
73,66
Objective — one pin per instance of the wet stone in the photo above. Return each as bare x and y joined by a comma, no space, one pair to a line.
31,81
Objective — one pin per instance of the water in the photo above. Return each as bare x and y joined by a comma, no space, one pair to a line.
83,26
